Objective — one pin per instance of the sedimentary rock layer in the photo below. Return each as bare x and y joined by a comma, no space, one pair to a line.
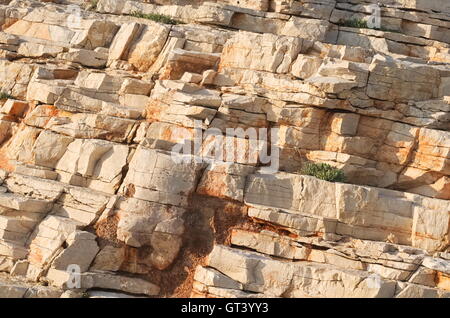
109,126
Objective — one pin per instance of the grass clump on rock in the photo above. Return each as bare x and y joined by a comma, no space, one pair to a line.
323,171
161,18
362,24
92,5
355,23
5,96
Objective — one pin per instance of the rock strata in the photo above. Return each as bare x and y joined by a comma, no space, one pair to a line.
134,153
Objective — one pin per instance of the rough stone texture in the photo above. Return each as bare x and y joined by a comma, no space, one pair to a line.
97,106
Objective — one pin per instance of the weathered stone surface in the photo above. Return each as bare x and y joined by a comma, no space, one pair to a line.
261,52
144,52
144,223
251,269
14,107
99,161
418,291
302,224
17,288
49,148
395,73
109,259
81,250
225,181
122,41
290,192
105,294
171,151
437,264
12,291
211,277
105,280
310,29
153,176
361,212
180,61
87,58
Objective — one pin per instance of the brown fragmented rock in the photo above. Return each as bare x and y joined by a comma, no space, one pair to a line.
181,142
109,258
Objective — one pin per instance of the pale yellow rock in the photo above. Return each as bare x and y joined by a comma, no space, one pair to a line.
146,48
265,52
122,41
135,148
305,66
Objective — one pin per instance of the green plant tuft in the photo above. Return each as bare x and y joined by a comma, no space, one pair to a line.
5,96
355,23
94,4
323,171
362,24
155,17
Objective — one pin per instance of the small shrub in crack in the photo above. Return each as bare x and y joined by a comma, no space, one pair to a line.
323,171
161,18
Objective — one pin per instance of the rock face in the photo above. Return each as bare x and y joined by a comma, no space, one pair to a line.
133,152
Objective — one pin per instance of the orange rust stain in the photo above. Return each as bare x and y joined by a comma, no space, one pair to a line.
442,281
425,236
167,134
213,185
65,74
29,109
166,72
51,110
439,59
153,111
445,193
35,256
8,23
265,225
130,190
5,162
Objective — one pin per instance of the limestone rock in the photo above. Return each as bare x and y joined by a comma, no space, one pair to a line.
105,280
81,250
180,61
109,259
164,142
14,108
293,274
310,29
261,52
